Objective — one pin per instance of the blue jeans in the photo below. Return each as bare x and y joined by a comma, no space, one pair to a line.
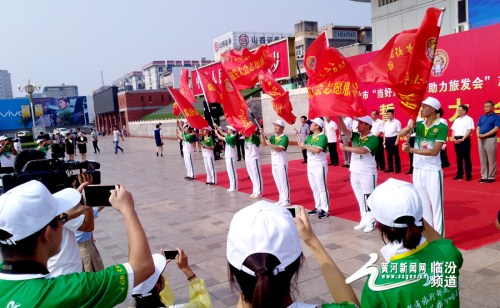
117,146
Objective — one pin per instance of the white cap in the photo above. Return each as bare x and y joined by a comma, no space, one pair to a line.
393,199
431,101
185,125
365,119
263,227
279,122
230,127
2,138
319,121
147,285
39,140
29,207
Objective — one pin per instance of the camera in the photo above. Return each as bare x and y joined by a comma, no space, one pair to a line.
55,174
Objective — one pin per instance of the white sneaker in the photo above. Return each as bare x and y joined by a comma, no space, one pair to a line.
251,196
255,196
369,228
360,227
230,189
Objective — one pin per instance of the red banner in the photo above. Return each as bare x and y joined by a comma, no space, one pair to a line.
235,107
176,111
192,116
211,91
184,86
244,66
451,82
405,62
281,98
332,87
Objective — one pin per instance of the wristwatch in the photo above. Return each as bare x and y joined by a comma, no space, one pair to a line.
63,217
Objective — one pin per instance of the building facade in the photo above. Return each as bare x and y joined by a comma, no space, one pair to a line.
5,85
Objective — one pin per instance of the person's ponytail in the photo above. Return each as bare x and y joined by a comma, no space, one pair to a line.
263,292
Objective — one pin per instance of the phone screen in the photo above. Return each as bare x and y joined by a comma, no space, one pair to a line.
97,195
293,210
170,254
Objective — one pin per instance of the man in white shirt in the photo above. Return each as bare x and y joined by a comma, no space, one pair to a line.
460,131
304,132
378,131
391,130
345,154
331,133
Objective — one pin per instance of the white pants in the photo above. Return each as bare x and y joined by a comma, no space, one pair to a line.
231,173
210,169
362,185
429,185
188,162
255,174
316,174
280,175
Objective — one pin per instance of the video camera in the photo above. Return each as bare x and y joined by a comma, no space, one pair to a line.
55,174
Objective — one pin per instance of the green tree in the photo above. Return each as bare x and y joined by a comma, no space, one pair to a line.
25,122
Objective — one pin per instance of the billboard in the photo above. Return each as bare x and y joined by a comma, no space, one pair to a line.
483,13
285,65
106,101
241,40
465,71
49,112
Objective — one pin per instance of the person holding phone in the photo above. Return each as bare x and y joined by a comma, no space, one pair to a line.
156,290
363,167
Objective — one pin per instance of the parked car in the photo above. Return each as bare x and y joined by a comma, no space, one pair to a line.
24,133
86,129
63,131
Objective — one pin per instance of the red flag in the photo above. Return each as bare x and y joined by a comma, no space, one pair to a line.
176,111
235,106
184,86
332,87
210,89
281,98
405,62
244,66
192,116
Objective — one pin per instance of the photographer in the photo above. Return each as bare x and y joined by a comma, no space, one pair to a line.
43,145
7,154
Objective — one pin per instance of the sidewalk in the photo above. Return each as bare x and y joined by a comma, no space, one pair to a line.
196,217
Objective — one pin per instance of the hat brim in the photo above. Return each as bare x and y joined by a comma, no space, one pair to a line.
66,199
279,124
148,284
230,127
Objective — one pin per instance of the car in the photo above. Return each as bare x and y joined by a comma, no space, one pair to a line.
63,131
86,129
24,133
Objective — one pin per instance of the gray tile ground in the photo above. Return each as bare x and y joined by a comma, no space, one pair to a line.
196,217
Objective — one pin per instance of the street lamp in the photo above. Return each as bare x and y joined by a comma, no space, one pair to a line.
30,89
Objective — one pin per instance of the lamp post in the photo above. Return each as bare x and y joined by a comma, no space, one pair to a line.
30,88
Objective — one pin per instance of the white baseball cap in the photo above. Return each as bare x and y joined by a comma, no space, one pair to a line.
185,125
29,207
365,119
230,127
2,138
431,101
147,285
39,140
263,227
319,121
394,199
279,122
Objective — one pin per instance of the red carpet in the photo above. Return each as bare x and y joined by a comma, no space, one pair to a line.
470,207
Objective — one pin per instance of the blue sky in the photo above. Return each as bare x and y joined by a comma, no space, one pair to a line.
72,41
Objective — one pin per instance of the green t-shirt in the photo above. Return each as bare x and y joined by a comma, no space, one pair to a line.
279,158
320,141
425,139
364,163
437,262
189,137
207,141
281,141
231,140
254,139
106,288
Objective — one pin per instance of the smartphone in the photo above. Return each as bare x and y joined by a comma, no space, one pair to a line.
170,254
294,210
97,195
367,208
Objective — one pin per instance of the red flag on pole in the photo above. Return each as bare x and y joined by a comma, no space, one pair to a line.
405,62
332,86
192,116
235,106
176,111
210,89
184,86
281,98
244,66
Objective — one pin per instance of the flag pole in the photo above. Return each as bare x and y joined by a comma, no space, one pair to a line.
326,37
203,90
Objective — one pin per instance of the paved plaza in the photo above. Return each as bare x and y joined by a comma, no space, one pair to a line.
196,217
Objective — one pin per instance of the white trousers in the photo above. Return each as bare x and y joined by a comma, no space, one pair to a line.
210,169
255,174
188,162
231,173
363,185
429,185
280,175
317,174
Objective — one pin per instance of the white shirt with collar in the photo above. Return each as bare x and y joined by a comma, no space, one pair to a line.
461,125
377,127
331,131
391,128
